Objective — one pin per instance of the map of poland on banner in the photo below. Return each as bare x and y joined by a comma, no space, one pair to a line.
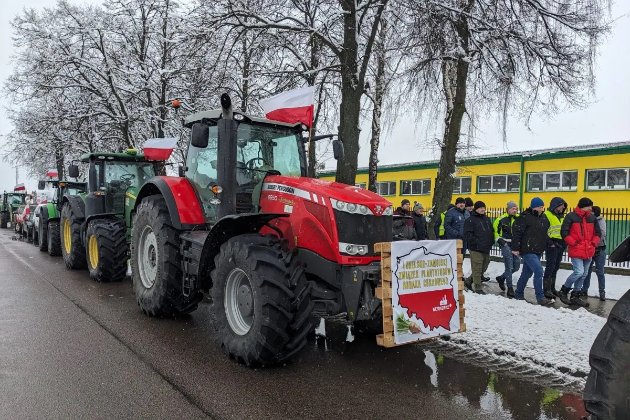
424,289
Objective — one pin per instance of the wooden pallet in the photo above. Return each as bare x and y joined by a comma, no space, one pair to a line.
384,293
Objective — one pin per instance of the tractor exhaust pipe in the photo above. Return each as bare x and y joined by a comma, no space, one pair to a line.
226,158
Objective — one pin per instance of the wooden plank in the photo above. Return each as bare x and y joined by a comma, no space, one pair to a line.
383,293
388,312
388,328
383,247
460,259
460,244
385,340
386,276
462,327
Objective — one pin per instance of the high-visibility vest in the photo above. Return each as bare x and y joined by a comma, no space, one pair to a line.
442,232
555,223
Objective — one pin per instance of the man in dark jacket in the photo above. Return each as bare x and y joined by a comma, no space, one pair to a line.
420,222
529,240
479,236
454,220
438,228
503,234
403,222
555,245
580,231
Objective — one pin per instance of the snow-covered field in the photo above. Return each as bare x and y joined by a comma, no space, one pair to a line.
616,285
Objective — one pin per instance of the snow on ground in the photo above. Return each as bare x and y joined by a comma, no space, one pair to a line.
616,285
539,336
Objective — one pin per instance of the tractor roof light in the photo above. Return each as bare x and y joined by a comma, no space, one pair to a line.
238,117
131,152
216,189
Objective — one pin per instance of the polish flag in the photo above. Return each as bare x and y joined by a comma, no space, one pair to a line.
19,187
293,106
159,149
52,173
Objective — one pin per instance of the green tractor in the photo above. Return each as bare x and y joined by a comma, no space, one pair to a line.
95,227
47,215
9,205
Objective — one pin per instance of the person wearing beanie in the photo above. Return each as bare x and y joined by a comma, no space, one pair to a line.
479,236
582,234
502,227
420,222
529,240
454,220
555,245
403,222
599,259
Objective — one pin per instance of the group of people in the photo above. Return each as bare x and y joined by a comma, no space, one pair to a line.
523,238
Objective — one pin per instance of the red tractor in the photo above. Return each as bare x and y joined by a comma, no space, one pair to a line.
270,245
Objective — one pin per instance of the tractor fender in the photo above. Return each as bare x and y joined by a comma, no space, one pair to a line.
77,205
226,228
108,216
181,199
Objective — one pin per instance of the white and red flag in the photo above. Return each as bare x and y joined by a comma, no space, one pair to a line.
159,149
293,106
19,187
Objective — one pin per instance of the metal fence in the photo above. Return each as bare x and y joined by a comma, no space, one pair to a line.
617,229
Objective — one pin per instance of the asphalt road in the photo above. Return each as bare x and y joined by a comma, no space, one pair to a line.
70,347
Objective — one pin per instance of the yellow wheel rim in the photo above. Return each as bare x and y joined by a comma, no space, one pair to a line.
67,236
93,251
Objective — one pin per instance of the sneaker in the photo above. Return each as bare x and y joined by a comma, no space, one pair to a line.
577,301
549,294
510,293
480,292
501,281
468,283
602,295
485,279
545,302
563,294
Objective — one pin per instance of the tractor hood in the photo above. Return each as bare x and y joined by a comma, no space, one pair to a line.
321,192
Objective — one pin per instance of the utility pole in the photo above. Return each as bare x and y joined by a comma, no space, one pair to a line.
16,175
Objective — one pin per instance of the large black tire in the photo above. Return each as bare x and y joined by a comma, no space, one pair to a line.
54,238
35,233
43,235
72,250
257,276
4,219
106,250
156,262
607,391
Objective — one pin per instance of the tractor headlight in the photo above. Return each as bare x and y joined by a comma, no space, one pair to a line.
351,207
352,249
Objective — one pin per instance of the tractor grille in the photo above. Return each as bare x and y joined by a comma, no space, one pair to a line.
361,230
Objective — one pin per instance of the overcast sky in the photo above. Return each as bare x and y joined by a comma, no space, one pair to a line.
605,120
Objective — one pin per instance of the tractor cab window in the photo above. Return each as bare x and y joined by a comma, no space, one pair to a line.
16,200
262,148
127,175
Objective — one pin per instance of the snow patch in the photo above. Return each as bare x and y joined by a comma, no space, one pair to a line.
320,331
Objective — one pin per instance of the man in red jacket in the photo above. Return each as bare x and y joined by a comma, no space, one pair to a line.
581,233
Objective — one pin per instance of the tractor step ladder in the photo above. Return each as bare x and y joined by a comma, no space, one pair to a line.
384,293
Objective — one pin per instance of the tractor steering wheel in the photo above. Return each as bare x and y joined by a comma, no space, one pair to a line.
127,178
250,163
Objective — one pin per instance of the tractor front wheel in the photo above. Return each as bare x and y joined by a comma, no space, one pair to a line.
261,300
54,238
4,219
156,262
106,250
72,250
42,233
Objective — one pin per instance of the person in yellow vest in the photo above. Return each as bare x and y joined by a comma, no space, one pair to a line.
555,245
438,228
503,236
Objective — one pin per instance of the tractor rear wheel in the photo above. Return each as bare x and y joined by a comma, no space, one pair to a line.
156,262
54,238
4,219
607,391
72,250
106,250
43,235
261,300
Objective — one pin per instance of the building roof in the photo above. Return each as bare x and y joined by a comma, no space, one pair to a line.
542,154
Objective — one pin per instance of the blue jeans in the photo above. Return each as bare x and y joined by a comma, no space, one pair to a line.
599,261
580,271
531,265
512,264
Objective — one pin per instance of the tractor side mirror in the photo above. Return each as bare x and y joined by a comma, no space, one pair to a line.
41,185
199,135
73,171
338,150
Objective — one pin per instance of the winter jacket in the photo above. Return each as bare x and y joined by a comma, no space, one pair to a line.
478,233
502,227
555,222
602,230
420,224
438,228
403,225
529,233
454,223
581,233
